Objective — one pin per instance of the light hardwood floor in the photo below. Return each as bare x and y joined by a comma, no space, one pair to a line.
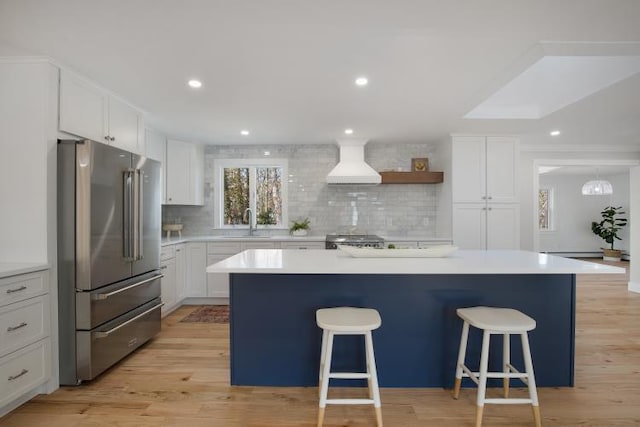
181,379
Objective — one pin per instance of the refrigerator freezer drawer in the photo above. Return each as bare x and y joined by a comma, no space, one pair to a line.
104,304
100,349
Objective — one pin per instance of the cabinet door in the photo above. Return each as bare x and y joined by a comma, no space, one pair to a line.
196,272
168,285
468,169
469,225
83,108
185,173
217,283
123,126
502,167
181,272
156,149
503,226
302,245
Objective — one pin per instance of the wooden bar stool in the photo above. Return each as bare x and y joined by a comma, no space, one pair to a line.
503,321
348,321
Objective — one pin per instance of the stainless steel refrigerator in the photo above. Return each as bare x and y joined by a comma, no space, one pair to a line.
109,233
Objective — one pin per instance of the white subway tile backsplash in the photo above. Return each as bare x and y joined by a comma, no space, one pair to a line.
398,209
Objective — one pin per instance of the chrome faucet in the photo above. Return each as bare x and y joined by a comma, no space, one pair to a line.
251,227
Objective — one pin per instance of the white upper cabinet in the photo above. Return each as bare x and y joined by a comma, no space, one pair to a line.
90,112
83,108
125,126
184,173
485,169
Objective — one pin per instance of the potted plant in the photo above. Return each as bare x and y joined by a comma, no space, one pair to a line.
300,228
608,229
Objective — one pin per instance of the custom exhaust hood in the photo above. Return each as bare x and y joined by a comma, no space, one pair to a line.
352,169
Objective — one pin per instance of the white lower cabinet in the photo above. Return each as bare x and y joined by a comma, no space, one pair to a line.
26,361
168,285
24,370
196,269
486,226
218,283
181,272
302,245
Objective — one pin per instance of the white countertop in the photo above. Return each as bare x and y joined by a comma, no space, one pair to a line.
286,238
283,261
13,268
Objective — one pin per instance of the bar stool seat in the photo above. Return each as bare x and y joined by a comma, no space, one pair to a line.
504,321
348,321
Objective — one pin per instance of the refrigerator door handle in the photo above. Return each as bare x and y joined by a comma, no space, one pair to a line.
127,215
135,198
140,200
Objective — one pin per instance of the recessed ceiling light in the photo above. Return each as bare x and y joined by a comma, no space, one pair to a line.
348,131
267,153
554,133
362,81
244,132
196,84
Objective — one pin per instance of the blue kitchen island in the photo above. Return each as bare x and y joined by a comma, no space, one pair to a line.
274,295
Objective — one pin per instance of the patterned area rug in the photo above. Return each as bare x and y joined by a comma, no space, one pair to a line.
208,314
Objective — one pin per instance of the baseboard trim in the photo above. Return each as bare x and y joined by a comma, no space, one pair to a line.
634,287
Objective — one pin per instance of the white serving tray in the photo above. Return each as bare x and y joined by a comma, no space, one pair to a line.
438,251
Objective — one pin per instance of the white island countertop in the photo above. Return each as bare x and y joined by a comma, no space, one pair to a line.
284,261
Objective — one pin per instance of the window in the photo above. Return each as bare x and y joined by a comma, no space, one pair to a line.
545,204
256,184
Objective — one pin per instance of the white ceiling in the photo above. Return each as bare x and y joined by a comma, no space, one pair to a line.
285,68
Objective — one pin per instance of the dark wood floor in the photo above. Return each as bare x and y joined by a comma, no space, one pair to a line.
181,379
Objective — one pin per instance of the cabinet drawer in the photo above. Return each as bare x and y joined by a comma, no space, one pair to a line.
259,245
302,245
18,288
167,252
426,244
24,370
23,323
230,248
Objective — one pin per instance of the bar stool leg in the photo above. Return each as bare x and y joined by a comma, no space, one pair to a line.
482,381
461,355
324,384
323,352
506,360
374,377
531,382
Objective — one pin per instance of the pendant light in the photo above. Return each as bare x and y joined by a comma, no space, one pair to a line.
597,187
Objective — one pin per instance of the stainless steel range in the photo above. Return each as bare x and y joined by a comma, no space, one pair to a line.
360,240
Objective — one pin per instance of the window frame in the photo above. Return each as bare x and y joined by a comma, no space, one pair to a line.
252,164
550,210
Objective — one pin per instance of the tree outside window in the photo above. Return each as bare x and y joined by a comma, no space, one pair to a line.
544,209
252,184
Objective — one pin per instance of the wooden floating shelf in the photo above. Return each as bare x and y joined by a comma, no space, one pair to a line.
412,177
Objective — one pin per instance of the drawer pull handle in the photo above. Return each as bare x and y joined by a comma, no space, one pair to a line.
105,334
21,288
15,377
100,297
13,328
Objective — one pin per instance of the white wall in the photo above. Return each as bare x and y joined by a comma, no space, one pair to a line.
28,122
572,213
634,276
528,198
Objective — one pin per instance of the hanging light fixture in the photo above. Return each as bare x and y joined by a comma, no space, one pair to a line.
597,187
